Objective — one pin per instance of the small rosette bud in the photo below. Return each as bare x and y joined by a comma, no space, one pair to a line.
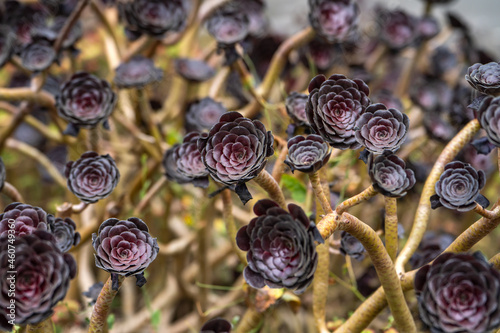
307,154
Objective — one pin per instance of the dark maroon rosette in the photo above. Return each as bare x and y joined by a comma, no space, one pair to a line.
92,177
431,246
236,151
203,114
334,106
229,24
351,246
485,78
182,162
489,117
398,29
334,20
64,231
281,247
389,175
38,55
307,154
137,73
124,248
193,70
459,292
26,218
296,107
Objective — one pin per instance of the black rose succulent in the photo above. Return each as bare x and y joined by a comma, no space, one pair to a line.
257,22
38,55
42,278
458,187
380,129
334,106
217,325
154,17
489,117
442,61
64,231
183,163
387,98
322,53
485,78
6,44
307,154
431,94
351,246
398,29
193,70
137,73
427,27
124,248
390,176
334,20
50,27
27,219
85,101
202,114
296,107
236,150
229,24
281,247
459,293
92,177
431,246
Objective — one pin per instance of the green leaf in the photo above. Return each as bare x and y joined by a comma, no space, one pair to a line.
297,189
155,318
111,321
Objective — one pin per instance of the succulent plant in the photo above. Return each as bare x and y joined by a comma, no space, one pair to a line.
193,70
64,231
217,325
296,107
334,106
26,218
41,280
92,177
281,247
459,292
137,73
38,55
154,17
229,24
380,129
351,246
390,176
202,114
431,246
236,150
257,21
85,101
398,29
489,117
307,154
485,78
124,248
183,163
458,187
334,20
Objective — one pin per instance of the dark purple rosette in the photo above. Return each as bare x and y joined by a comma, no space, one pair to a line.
201,115
431,246
398,29
307,154
217,325
183,163
41,280
124,248
459,293
64,231
137,73
92,177
296,107
236,150
7,43
281,247
489,117
322,53
351,246
193,70
50,27
458,187
154,17
431,94
334,106
85,101
38,55
485,78
387,98
390,176
257,21
229,24
380,128
427,27
334,20
26,218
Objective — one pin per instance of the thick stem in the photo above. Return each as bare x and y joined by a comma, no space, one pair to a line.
250,321
42,98
424,206
70,22
149,195
269,184
495,261
45,326
227,213
391,227
356,200
98,321
385,270
278,165
486,213
12,192
318,192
